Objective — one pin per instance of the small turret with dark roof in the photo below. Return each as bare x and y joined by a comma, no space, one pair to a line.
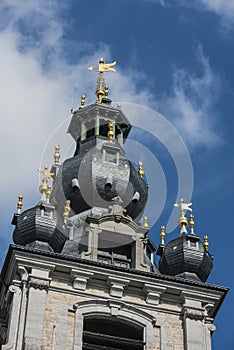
185,256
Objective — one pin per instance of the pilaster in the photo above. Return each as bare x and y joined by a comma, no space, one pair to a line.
39,282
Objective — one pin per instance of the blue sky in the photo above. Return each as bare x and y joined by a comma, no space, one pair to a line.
175,57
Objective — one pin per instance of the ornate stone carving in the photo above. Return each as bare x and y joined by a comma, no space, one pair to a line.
211,327
193,314
23,273
14,289
39,283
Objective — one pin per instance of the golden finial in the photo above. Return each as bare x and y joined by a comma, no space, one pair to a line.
119,106
46,173
82,102
140,170
19,203
48,193
192,223
206,243
110,133
67,210
146,225
102,67
106,90
162,234
183,221
56,155
43,187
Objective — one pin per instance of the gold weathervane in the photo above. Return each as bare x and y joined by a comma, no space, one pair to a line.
102,67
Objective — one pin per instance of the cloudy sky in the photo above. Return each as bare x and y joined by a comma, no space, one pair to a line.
173,57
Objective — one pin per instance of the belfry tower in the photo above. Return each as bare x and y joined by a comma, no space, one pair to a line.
81,274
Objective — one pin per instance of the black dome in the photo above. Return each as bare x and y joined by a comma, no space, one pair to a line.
186,256
39,224
99,180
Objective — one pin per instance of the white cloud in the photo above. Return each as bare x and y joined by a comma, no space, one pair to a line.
34,97
191,104
37,85
223,8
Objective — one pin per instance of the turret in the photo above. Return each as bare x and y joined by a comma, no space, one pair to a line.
185,256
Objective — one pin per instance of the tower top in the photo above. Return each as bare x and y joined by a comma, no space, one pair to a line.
101,68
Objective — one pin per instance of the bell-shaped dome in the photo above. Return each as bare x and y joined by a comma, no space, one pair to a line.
186,257
39,225
94,180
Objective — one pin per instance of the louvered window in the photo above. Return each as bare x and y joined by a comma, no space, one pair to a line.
111,334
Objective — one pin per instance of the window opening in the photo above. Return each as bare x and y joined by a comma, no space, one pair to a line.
111,334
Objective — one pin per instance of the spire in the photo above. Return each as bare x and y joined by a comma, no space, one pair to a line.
102,67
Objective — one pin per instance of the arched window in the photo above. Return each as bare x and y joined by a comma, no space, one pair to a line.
111,333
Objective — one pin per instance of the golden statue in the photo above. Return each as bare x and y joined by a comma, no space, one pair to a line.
46,173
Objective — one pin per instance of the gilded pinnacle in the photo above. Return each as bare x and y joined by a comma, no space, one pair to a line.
110,133
106,90
43,187
162,234
140,170
48,193
57,155
82,102
19,203
146,225
206,243
67,210
191,221
183,221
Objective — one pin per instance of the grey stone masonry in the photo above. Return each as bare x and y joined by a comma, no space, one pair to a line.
50,295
